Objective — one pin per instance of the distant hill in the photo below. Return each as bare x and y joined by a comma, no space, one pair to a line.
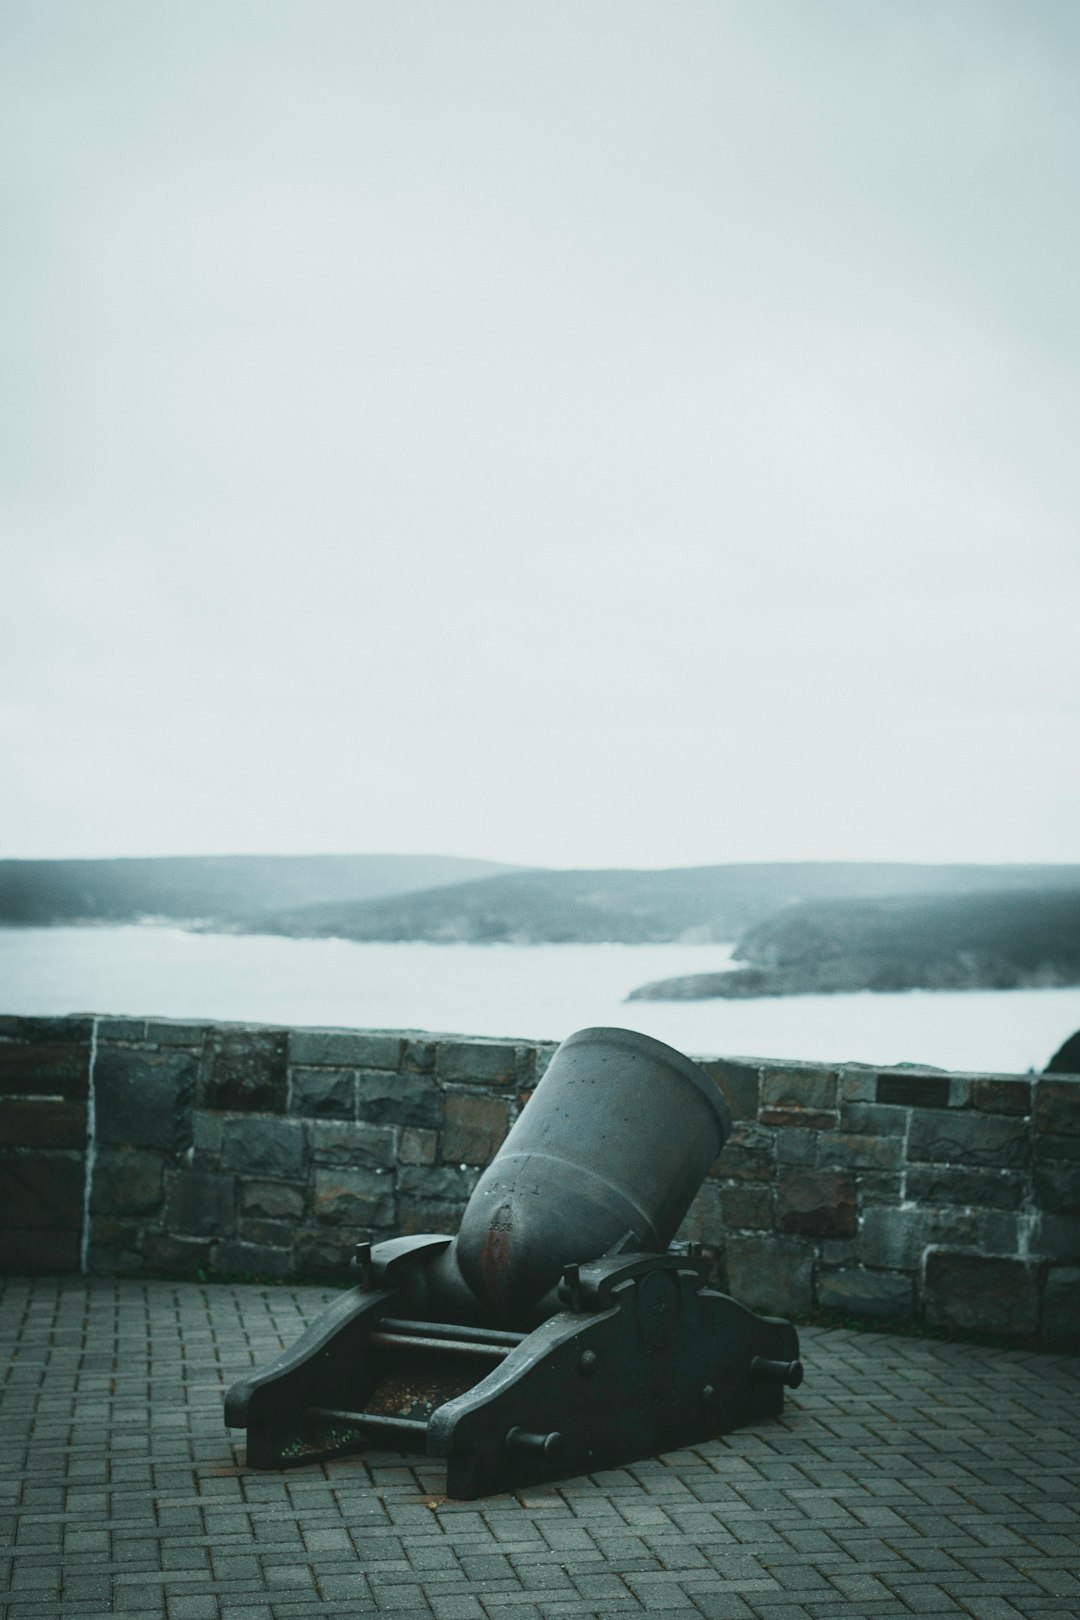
190,887
705,903
1001,940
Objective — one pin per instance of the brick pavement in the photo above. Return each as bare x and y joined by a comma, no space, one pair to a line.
906,1478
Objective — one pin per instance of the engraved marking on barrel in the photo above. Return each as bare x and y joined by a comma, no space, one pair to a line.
495,1255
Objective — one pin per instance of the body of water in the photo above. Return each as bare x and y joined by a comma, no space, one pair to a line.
539,991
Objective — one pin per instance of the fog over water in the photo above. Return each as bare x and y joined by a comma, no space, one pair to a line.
540,991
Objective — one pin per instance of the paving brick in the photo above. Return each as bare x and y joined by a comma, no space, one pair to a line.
906,1477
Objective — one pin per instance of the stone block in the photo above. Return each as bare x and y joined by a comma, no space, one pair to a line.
873,1119
263,1146
417,1146
104,1260
807,1118
127,1181
272,1199
30,1252
427,1215
444,1183
357,1199
42,1122
1001,1096
913,1090
246,1069
433,1200
46,1031
744,1205
976,1291
113,1233
749,1154
206,1132
816,1203
476,1062
201,1203
323,1093
1056,1149
1056,1110
879,1187
840,1150
172,1032
475,1127
144,1098
399,1099
417,1058
236,1259
875,1295
276,1234
794,1146
704,1220
529,1064
857,1083
989,1231
346,1048
890,1236
322,1254
955,1184
739,1085
798,1088
769,1274
967,1139
836,1252
41,1190
176,1256
1056,1187
56,1068
545,1051
1061,1309
132,1031
364,1147
1057,1237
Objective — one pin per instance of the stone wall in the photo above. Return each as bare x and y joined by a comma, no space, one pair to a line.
889,1194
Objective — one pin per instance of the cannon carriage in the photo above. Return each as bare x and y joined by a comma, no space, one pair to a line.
557,1333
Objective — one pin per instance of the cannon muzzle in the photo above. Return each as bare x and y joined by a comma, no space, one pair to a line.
489,1348
609,1153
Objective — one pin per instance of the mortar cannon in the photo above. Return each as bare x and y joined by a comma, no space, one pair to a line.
557,1333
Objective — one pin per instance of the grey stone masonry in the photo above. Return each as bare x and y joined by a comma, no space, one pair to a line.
881,1194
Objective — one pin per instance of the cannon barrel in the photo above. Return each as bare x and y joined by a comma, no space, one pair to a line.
557,1333
613,1145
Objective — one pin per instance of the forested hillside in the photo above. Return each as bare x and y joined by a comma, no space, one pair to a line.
994,941
218,887
706,903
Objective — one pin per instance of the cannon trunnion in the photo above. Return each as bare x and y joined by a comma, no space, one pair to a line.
556,1334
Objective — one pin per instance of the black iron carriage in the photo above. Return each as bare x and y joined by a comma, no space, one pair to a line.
557,1333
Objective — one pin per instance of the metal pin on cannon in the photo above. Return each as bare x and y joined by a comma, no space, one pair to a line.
535,1445
360,1264
789,1373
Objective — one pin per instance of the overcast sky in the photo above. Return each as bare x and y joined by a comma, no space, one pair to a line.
587,433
